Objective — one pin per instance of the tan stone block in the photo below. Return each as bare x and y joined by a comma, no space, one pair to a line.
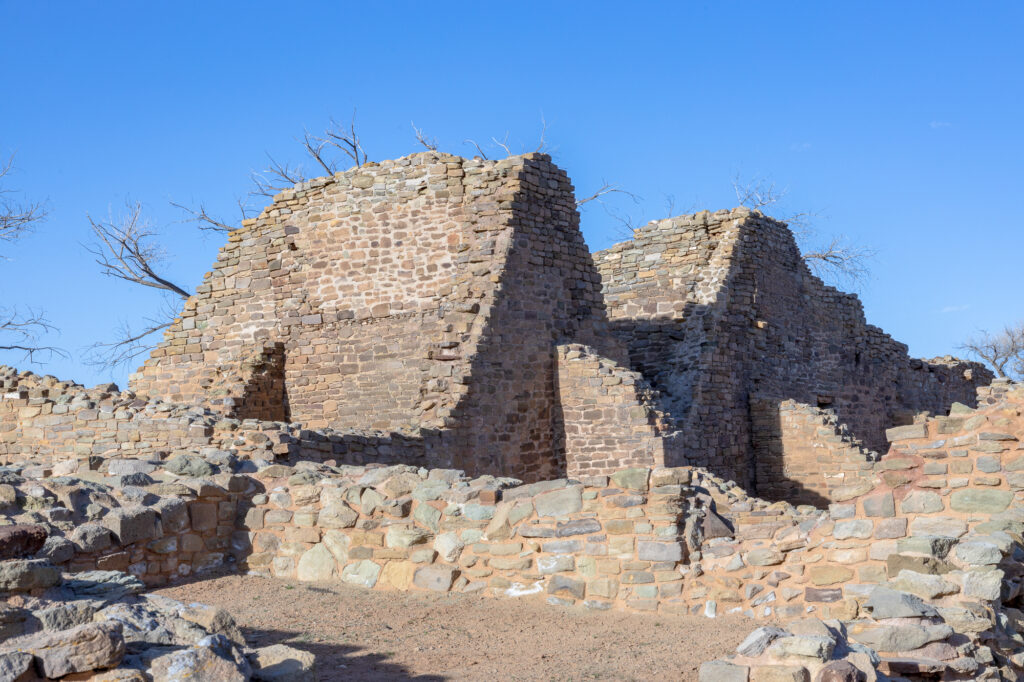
397,575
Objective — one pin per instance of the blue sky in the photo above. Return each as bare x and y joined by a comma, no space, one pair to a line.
898,123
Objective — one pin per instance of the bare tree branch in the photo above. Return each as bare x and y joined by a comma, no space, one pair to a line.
430,144
126,251
204,220
839,260
23,332
604,190
1003,351
543,136
503,143
130,344
275,178
483,155
16,218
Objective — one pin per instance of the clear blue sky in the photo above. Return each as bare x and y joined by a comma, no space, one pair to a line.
900,123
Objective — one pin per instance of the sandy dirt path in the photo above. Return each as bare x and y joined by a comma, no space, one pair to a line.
359,634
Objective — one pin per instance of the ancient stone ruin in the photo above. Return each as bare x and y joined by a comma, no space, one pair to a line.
413,375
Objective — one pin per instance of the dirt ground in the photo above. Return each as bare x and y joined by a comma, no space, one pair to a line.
359,634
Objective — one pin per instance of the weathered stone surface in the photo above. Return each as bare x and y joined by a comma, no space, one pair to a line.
985,501
131,524
559,503
880,505
337,515
81,649
839,671
887,603
577,527
806,646
564,585
764,557
921,502
21,540
659,551
189,465
317,565
363,573
757,641
16,666
282,663
438,578
22,575
631,479
723,671
214,659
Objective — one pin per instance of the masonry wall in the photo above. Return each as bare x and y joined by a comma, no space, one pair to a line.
719,309
421,296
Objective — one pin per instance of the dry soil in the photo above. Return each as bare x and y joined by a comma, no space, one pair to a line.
359,634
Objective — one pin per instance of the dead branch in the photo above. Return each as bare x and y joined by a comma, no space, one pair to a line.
1003,351
126,251
23,332
204,220
275,178
129,344
604,190
503,143
16,218
543,135
483,155
839,260
430,144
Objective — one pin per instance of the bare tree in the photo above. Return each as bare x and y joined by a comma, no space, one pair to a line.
504,145
1003,351
21,331
16,218
837,261
126,249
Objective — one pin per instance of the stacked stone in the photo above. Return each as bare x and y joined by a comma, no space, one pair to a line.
101,625
717,308
804,455
610,415
398,285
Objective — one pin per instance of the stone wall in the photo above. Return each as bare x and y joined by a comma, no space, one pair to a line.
718,309
418,296
609,415
803,454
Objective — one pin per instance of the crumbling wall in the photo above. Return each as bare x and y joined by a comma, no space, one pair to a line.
717,309
421,296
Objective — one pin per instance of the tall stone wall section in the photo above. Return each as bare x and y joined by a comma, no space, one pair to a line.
719,309
422,297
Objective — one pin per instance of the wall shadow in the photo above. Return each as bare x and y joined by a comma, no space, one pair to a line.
338,662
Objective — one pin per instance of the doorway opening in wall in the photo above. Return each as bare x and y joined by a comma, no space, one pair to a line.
265,396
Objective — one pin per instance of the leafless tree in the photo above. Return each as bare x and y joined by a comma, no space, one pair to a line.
16,217
126,248
327,150
21,331
837,261
1003,351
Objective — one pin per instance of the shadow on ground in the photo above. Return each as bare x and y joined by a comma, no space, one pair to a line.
336,662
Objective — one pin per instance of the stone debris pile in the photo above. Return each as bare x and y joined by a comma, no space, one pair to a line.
101,625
